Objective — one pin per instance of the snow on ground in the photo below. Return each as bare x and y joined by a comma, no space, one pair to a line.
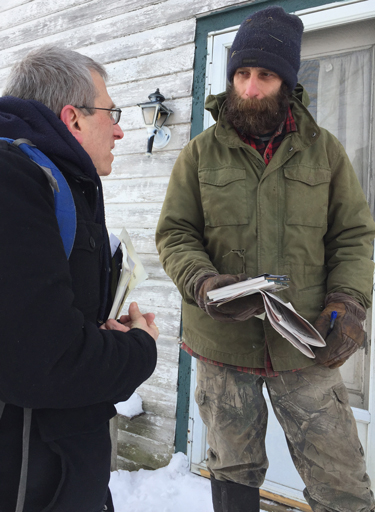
169,489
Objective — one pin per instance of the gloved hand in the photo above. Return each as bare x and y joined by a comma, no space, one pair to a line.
347,335
233,311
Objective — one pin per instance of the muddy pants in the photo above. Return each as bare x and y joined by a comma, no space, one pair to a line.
312,407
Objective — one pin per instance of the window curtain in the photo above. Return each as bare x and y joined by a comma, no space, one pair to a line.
344,106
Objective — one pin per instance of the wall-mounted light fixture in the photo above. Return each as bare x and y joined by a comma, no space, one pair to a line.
154,115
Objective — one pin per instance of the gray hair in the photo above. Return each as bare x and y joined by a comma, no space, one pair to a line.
55,77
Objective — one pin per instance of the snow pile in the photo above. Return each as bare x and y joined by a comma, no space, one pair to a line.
169,489
132,406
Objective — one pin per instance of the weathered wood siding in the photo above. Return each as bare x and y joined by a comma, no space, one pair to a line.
144,44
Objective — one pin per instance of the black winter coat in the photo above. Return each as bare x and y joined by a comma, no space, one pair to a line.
53,357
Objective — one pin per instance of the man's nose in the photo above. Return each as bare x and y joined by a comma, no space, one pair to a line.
252,87
117,132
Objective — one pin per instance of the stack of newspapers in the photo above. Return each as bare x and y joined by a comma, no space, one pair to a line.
281,315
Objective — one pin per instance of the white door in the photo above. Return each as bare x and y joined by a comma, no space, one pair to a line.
338,61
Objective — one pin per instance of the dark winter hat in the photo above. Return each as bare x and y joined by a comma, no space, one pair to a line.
269,39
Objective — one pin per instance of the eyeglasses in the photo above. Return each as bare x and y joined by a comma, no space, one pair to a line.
115,112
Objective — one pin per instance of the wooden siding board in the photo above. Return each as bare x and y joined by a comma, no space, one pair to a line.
143,239
140,219
136,141
153,267
158,401
175,85
150,292
157,64
135,190
164,376
36,10
139,165
168,348
11,4
147,453
150,426
143,43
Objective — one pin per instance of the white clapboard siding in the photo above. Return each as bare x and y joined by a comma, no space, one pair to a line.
109,20
160,63
138,451
136,141
144,45
135,217
33,10
148,293
10,4
116,20
175,85
154,269
135,190
140,165
159,401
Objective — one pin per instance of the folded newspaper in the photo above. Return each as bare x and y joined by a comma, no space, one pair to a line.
132,272
281,315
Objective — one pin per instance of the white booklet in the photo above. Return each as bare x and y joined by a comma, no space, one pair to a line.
269,282
132,272
281,315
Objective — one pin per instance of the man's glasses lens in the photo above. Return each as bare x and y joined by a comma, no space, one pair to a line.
115,113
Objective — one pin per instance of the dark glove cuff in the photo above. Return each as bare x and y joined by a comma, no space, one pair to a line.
351,305
197,286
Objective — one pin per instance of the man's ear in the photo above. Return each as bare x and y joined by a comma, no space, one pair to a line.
71,117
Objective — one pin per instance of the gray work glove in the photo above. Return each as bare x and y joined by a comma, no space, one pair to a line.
347,335
233,311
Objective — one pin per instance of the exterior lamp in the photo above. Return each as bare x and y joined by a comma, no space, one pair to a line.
154,116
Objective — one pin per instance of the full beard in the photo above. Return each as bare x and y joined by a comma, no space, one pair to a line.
251,116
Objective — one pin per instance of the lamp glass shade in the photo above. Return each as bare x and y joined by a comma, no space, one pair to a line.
149,114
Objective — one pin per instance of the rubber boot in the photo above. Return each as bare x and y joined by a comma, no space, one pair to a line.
232,497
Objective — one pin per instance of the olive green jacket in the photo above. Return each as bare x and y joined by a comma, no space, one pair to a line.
304,215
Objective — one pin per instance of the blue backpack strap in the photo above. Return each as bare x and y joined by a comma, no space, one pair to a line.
64,204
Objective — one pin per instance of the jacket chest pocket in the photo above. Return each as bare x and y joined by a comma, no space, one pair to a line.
223,195
306,195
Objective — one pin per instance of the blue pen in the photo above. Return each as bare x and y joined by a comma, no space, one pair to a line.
332,323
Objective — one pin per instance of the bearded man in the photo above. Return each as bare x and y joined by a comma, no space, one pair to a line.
265,190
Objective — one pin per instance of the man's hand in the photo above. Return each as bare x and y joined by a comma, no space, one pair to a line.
347,335
134,320
233,311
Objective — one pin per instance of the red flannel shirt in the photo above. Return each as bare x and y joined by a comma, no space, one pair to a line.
267,150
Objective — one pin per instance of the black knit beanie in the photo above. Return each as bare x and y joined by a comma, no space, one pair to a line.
269,39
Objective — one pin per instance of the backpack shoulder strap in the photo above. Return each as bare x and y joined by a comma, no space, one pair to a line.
64,204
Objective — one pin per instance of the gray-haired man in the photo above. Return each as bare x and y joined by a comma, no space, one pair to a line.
63,365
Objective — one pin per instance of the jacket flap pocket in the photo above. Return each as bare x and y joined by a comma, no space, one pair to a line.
221,177
308,175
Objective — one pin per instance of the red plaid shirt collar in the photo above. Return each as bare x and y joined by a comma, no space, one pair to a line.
268,149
